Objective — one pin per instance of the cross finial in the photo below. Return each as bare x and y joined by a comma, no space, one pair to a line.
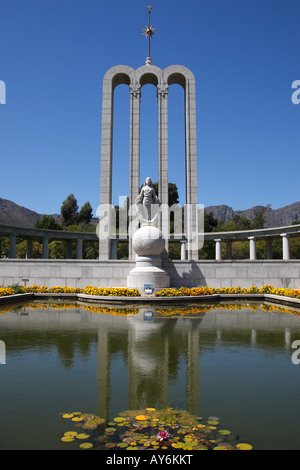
149,32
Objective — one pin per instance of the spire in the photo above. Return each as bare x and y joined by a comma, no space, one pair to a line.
149,32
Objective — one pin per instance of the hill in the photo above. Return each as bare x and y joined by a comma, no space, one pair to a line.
13,214
274,217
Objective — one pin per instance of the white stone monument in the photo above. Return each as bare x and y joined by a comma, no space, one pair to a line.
148,243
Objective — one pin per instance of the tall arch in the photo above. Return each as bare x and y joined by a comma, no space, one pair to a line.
136,79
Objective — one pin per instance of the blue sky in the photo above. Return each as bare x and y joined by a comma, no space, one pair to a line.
244,55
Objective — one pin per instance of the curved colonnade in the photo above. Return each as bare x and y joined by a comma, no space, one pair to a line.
45,236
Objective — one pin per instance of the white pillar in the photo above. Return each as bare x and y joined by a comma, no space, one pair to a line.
162,99
218,249
252,248
285,246
162,96
183,250
134,156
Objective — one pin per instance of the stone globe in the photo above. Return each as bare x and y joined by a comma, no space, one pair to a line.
148,241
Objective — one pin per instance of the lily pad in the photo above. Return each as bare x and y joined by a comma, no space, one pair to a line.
82,436
244,446
86,445
68,415
77,418
143,429
141,418
119,419
70,434
67,439
224,432
122,444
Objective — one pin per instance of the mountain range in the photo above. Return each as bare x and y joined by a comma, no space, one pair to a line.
13,214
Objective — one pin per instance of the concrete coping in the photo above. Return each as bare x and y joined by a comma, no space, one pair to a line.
17,298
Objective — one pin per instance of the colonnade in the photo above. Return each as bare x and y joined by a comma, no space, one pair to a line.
252,247
45,236
78,238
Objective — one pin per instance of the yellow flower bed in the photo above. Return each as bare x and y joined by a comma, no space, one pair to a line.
266,289
112,291
167,292
6,291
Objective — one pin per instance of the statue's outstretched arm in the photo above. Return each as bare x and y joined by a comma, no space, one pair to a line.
139,198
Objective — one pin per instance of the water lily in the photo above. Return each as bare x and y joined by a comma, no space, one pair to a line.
163,435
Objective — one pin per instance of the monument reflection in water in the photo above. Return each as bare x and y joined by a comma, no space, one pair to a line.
210,360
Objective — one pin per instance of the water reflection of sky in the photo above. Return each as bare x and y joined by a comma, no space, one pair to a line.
235,364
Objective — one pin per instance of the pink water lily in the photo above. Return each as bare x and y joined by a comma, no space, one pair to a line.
163,435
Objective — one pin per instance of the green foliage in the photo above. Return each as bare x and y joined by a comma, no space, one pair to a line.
259,219
70,215
69,210
48,222
209,222
175,250
85,214
4,247
21,249
237,223
16,288
173,197
122,250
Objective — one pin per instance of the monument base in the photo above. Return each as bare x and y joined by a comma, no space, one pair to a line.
148,271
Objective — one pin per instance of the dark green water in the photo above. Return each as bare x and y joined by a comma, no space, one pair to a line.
233,363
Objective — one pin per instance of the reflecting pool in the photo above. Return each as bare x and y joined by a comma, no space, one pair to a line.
232,361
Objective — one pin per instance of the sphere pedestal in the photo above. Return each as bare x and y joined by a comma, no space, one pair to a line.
148,243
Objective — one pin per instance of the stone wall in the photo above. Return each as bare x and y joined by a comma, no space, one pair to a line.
113,273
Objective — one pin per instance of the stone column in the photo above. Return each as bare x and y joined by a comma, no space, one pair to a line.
114,246
79,243
29,248
106,162
218,249
45,249
162,96
134,169
12,245
285,246
191,152
183,249
252,248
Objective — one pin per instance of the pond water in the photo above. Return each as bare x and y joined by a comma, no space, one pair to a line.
231,361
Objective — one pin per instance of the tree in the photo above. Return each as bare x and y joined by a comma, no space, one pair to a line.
69,210
259,218
209,222
85,214
173,197
48,222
